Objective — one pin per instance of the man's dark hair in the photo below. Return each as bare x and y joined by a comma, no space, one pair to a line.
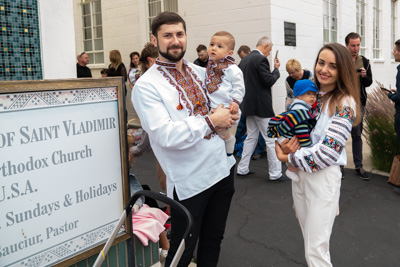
244,48
201,48
352,35
397,43
168,18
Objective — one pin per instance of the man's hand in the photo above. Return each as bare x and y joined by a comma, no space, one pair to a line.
222,118
277,63
290,146
363,73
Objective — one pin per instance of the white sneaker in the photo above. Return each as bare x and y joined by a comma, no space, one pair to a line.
163,256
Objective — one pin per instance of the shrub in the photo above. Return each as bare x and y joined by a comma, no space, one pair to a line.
379,130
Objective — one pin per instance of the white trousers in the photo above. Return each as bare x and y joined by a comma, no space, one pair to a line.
316,201
255,125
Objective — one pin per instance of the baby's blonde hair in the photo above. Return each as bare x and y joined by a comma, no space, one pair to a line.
230,38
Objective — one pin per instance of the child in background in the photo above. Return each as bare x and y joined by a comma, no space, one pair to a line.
297,120
224,80
103,73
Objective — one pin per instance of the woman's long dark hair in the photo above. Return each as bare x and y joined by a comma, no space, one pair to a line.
347,83
131,56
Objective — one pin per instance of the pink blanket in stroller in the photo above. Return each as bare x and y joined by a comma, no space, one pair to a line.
148,223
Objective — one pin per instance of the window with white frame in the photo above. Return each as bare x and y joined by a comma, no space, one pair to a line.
393,20
157,6
376,30
360,16
330,21
93,31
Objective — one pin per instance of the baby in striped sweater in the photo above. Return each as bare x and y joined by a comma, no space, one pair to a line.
297,120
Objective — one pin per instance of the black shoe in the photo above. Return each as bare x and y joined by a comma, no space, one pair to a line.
257,156
244,175
362,174
282,179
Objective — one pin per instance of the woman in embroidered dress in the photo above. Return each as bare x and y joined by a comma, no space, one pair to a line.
316,194
134,67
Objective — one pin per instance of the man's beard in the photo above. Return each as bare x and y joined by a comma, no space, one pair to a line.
172,57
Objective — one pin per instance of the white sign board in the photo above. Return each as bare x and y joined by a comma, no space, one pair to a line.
61,186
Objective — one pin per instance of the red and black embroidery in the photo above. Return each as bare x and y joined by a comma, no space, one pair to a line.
215,72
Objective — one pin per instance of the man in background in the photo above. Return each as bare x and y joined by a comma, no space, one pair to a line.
257,107
243,51
81,70
202,54
363,69
241,129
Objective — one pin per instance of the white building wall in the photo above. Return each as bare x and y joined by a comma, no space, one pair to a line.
247,21
307,15
125,27
57,39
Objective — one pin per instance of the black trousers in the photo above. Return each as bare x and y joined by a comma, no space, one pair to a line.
210,211
357,144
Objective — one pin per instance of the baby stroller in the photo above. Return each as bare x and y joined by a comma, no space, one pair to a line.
128,210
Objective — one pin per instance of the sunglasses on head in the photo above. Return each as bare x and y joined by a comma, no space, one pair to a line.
82,54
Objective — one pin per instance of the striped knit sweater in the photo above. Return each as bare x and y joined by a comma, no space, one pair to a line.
296,121
329,138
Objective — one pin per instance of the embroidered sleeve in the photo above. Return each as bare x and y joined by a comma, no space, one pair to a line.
237,81
331,144
209,123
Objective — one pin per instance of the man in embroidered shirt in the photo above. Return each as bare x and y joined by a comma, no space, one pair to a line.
173,109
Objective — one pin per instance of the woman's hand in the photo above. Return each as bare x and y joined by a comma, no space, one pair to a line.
279,153
290,146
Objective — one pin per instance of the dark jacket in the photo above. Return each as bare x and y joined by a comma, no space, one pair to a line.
395,97
120,71
366,81
83,71
258,80
200,63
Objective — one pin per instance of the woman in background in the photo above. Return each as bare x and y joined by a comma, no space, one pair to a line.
116,68
147,59
296,73
134,67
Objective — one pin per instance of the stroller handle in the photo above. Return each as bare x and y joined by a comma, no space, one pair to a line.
128,209
163,198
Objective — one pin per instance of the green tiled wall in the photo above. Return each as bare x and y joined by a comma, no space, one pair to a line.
19,40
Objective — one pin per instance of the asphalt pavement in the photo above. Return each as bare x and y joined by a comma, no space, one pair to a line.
262,229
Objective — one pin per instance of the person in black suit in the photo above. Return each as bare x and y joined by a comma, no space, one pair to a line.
257,107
